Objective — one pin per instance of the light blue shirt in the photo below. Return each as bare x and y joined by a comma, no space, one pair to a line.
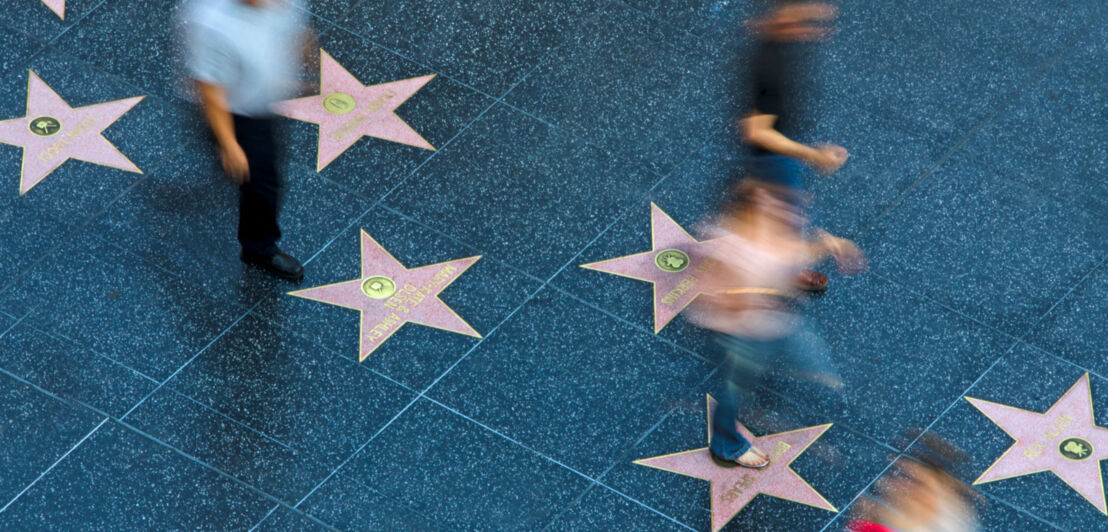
252,51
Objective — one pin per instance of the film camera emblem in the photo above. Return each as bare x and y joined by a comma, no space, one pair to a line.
45,126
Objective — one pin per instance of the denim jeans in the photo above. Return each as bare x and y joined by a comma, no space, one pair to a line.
746,364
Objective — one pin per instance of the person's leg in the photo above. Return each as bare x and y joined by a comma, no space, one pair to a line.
805,355
726,441
260,197
743,366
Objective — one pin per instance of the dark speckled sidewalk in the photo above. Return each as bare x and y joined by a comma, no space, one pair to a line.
150,381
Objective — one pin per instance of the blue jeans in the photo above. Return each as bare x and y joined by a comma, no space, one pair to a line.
746,364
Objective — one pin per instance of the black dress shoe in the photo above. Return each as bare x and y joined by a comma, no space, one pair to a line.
280,264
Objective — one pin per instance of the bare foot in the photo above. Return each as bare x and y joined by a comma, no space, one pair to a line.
752,458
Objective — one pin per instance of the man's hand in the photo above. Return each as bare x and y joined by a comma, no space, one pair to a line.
829,158
234,163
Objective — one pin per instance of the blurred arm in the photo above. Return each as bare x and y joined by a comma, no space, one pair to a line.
213,100
757,129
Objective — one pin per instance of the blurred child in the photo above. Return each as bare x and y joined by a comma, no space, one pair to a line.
920,495
752,304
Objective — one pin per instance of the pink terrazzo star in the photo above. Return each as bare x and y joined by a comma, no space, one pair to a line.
346,111
675,265
1065,441
388,295
57,6
52,132
733,488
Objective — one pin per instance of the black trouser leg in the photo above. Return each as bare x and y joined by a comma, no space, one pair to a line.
260,198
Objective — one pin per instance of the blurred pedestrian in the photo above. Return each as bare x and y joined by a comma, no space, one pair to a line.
779,106
752,304
921,494
244,56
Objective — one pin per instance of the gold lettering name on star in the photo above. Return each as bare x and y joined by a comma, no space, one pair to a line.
66,139
407,299
687,283
1034,449
357,121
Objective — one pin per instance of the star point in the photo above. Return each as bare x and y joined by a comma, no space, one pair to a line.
1064,440
387,295
57,6
675,265
733,488
345,111
52,133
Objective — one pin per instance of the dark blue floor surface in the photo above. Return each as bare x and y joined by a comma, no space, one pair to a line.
149,381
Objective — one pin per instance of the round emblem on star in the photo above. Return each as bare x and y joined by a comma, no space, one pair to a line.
338,103
1076,449
45,126
378,287
672,260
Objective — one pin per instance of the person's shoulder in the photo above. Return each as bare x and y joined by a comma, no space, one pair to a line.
204,13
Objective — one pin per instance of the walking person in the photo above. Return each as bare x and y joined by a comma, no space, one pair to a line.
778,106
244,56
752,305
921,493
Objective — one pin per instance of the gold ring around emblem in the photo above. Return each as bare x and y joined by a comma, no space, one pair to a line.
338,103
1076,449
378,287
44,126
671,260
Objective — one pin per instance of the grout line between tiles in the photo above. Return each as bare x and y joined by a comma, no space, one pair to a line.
52,466
189,361
234,421
1011,97
545,457
409,405
356,452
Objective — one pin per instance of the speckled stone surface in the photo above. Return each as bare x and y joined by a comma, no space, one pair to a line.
925,354
284,519
35,19
29,450
16,49
150,134
184,220
321,407
118,480
562,192
72,371
603,509
628,84
149,320
451,473
1073,331
216,400
956,239
1049,136
556,363
486,44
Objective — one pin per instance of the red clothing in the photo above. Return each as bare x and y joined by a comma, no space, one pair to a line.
859,525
